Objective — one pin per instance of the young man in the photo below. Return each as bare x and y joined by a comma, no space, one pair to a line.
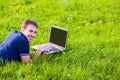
16,46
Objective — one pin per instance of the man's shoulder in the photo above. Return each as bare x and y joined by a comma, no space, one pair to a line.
15,34
19,36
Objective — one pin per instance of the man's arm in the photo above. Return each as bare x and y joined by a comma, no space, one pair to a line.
37,54
27,59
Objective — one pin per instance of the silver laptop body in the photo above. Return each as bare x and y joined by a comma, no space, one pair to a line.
57,40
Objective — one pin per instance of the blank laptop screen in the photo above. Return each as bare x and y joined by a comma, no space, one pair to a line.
58,36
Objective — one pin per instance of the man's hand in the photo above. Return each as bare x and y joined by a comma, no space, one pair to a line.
25,59
43,48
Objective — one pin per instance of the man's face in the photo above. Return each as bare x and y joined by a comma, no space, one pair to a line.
30,32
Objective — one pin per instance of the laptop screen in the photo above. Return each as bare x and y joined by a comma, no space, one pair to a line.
58,36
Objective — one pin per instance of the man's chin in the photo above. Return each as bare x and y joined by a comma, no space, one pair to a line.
29,40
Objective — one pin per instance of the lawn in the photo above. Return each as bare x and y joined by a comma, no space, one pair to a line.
93,48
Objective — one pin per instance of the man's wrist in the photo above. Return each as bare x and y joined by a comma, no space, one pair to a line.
38,52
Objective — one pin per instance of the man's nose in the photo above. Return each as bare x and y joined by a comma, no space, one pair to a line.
33,34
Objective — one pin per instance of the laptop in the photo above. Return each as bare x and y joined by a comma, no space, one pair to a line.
57,40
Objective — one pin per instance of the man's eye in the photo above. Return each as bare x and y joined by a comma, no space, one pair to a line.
31,30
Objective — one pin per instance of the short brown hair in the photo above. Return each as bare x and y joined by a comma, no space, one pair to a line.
28,22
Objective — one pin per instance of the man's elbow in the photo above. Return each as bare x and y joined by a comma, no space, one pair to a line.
25,59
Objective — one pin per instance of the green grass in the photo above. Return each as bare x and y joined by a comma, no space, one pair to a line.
93,50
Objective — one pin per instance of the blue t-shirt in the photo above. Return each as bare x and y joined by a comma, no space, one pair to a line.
15,46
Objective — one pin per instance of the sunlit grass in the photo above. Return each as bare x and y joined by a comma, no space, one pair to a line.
93,49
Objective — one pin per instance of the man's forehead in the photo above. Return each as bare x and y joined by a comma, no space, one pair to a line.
31,27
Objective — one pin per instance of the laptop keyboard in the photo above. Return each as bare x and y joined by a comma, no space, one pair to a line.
54,49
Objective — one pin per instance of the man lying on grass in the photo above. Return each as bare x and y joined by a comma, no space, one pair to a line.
16,46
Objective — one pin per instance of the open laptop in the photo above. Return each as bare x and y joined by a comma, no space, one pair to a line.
58,39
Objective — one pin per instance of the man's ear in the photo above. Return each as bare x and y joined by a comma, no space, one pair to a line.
22,29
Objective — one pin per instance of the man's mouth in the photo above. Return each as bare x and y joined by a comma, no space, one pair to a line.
30,38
